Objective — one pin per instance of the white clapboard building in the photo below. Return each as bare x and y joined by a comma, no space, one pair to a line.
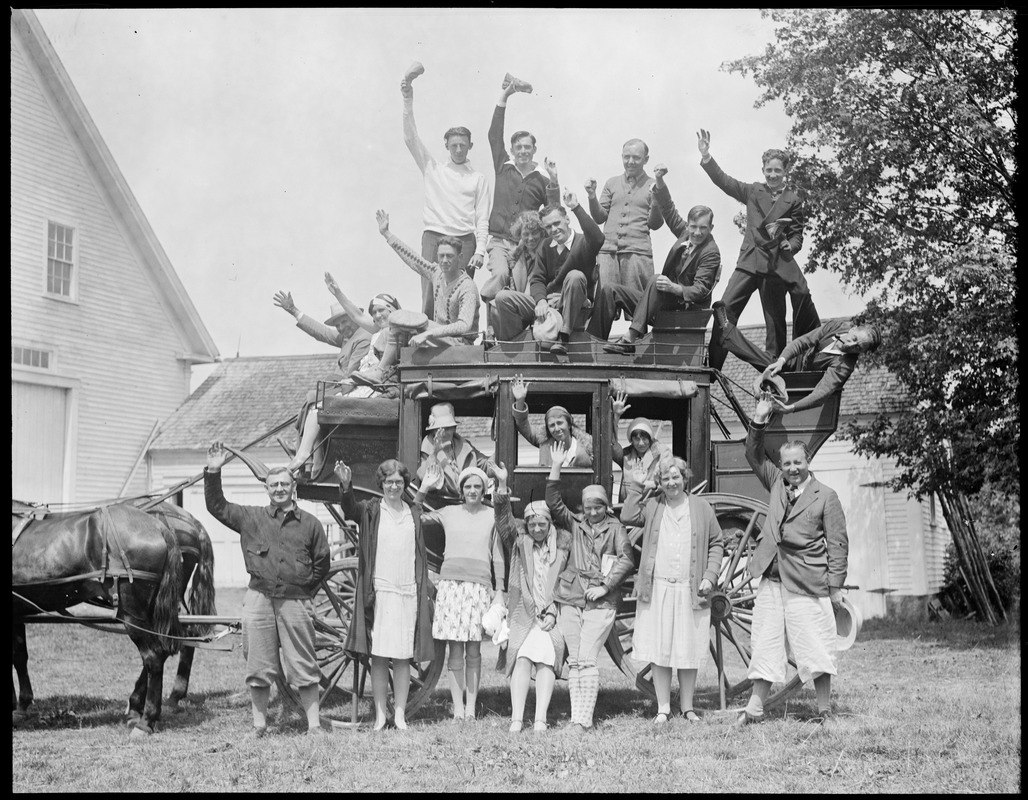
103,335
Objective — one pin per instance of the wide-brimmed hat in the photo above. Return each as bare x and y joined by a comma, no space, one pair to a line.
406,319
336,315
546,330
774,384
848,620
441,416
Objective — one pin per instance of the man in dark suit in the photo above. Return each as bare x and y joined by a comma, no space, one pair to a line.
801,558
562,275
691,269
774,234
832,348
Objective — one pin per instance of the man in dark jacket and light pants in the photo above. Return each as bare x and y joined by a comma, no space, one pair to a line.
801,558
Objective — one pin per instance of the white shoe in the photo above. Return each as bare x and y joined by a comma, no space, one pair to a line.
515,726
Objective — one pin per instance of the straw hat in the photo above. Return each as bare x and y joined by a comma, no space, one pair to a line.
848,620
336,315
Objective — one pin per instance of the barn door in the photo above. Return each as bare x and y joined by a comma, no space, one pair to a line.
39,424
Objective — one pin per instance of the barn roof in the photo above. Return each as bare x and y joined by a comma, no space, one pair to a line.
244,398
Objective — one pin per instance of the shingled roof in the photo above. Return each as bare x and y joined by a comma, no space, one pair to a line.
869,390
245,397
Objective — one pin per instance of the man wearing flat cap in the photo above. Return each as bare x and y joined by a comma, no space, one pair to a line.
444,446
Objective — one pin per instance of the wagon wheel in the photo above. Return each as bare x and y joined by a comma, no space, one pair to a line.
731,619
346,676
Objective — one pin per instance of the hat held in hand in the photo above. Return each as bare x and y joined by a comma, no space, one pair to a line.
775,384
407,319
413,71
519,85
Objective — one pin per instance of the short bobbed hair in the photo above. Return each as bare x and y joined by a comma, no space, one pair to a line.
391,466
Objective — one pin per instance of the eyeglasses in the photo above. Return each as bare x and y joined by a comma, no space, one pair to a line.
280,485
392,483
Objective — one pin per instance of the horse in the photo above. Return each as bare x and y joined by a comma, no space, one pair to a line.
113,554
198,566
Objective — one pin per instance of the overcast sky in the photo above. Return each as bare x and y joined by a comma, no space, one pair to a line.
260,142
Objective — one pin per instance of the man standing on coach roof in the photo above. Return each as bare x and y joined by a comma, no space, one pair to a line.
520,184
456,196
628,214
287,556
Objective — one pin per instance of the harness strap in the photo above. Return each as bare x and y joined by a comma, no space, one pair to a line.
109,526
102,574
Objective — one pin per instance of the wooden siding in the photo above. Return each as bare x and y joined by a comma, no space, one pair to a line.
117,337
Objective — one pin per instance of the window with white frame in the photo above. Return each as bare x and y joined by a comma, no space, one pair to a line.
31,357
60,259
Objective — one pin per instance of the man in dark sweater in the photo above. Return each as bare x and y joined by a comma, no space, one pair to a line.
287,556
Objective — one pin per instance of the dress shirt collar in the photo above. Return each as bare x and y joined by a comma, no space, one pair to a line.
800,489
534,169
465,167
566,245
273,511
833,348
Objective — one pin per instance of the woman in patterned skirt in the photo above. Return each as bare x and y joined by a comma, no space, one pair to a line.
681,556
392,587
465,580
539,553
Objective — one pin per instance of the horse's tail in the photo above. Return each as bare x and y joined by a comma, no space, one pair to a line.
165,605
201,595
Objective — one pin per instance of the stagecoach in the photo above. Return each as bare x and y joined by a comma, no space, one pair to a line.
666,382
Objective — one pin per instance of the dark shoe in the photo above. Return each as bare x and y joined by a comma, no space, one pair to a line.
519,85
692,716
559,348
621,347
720,315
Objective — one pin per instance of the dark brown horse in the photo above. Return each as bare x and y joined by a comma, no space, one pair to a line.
114,554
197,587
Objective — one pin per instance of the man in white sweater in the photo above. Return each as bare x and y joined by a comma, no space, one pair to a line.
457,200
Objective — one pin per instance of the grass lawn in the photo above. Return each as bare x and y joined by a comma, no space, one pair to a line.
928,708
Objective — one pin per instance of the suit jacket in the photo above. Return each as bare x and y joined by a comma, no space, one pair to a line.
809,538
698,273
760,251
550,268
351,350
707,546
805,352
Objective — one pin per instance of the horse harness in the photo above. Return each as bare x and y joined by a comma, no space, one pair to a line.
108,569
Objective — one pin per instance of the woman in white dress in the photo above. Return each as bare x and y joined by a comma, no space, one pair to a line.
682,548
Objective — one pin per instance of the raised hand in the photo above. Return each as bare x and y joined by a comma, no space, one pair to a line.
499,472
618,402
765,405
344,473
519,388
284,300
557,453
382,218
703,142
434,477
551,168
659,171
217,455
332,286
590,187
406,89
570,200
639,476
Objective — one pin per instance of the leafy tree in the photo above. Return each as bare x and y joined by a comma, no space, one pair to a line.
905,128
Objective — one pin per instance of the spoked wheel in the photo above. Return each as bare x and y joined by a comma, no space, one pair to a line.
345,677
731,617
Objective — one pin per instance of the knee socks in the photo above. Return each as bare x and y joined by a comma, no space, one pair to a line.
588,689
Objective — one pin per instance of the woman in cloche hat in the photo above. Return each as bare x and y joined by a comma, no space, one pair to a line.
442,445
